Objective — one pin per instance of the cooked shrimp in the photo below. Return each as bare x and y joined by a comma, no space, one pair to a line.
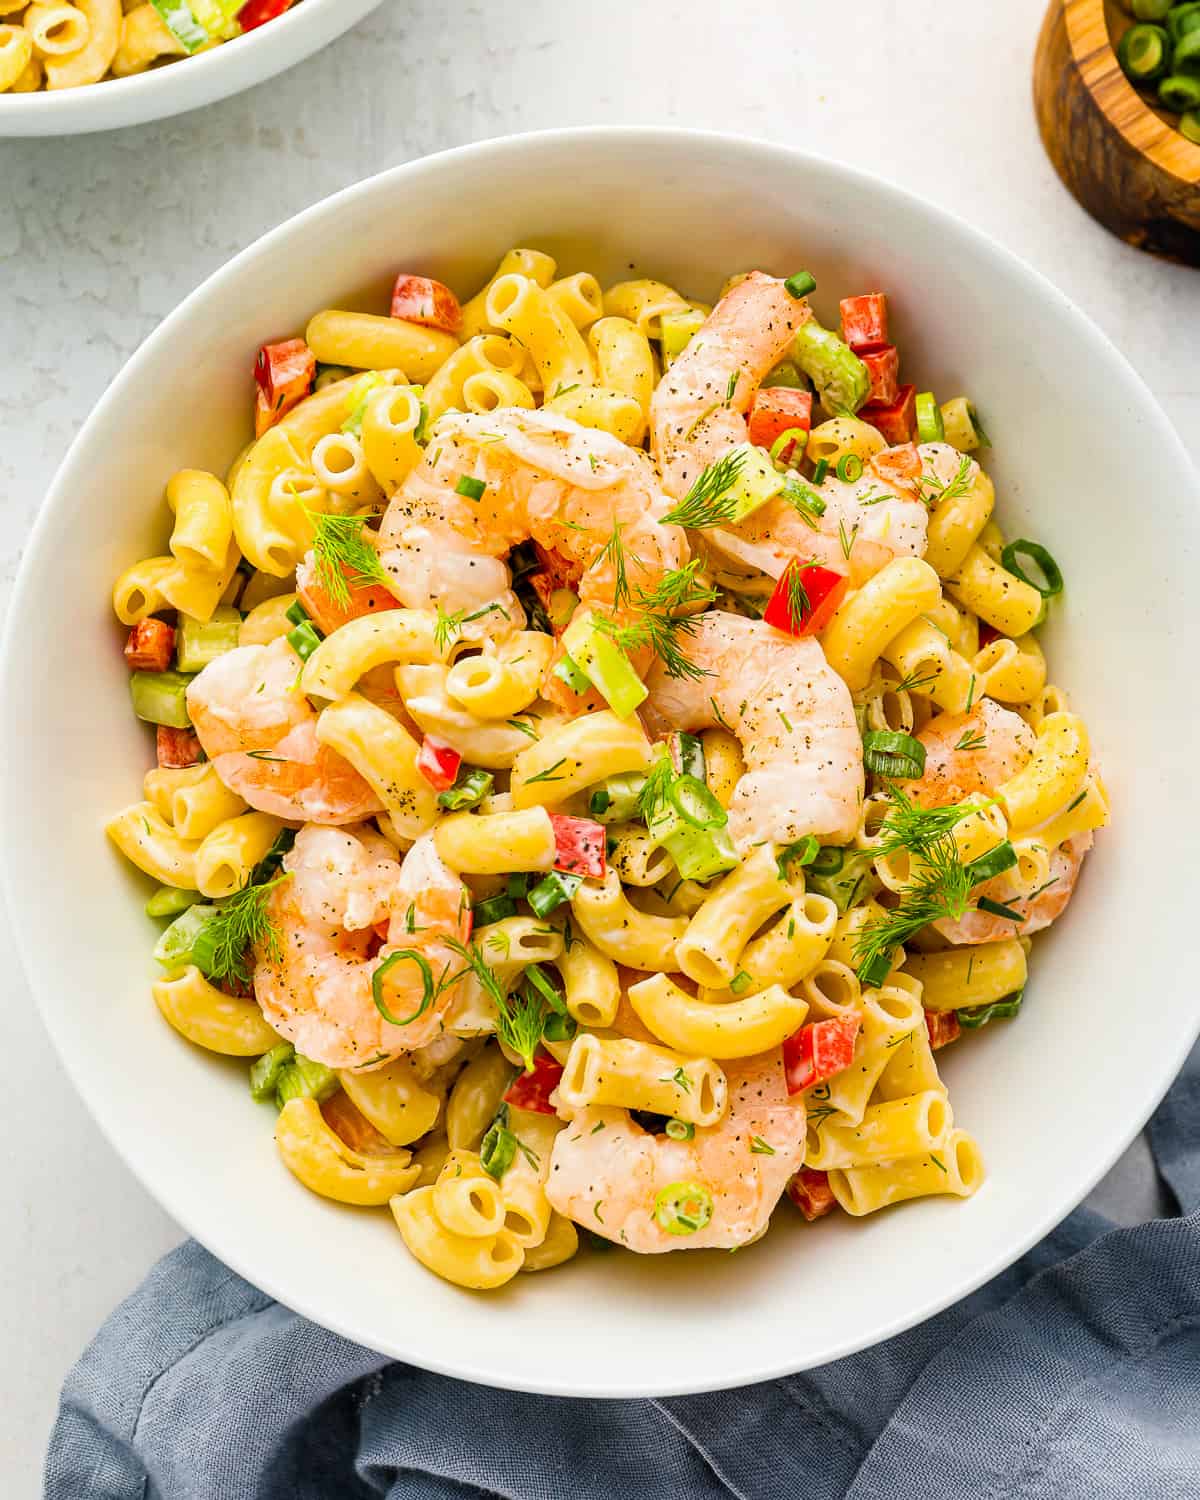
606,1171
795,720
317,992
969,755
698,410
260,732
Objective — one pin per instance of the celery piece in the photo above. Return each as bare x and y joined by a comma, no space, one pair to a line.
183,942
169,901
158,697
571,675
356,400
616,800
786,374
606,666
218,17
305,1079
678,330
756,482
178,18
552,891
202,641
700,853
265,1071
844,885
840,377
687,754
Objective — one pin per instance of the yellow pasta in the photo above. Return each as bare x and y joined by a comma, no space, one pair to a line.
736,1028
522,309
969,976
210,1018
634,1075
315,1154
875,614
533,264
364,341
956,1169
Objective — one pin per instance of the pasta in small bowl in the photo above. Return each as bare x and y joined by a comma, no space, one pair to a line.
615,754
52,53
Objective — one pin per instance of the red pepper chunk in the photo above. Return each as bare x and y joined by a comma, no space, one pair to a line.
823,590
176,749
579,846
420,299
325,611
883,366
942,1026
809,1190
438,763
776,409
150,646
819,1050
258,12
987,634
865,321
532,1090
897,422
285,373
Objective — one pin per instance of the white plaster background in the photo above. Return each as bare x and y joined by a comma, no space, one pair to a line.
100,236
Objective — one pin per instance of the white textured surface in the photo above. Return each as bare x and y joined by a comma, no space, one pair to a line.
100,237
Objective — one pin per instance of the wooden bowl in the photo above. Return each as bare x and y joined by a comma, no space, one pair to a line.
1124,162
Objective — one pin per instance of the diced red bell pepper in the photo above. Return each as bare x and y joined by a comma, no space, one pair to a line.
809,1190
177,748
819,1050
579,846
775,409
326,613
865,321
561,572
897,422
883,366
258,12
942,1026
150,646
438,763
533,1090
285,374
987,634
823,589
420,299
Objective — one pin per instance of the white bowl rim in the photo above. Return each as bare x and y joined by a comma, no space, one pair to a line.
160,93
170,1194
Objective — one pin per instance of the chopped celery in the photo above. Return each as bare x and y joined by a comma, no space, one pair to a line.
576,680
169,901
700,853
265,1071
563,604
840,377
606,666
202,641
552,891
178,18
183,942
678,330
687,754
616,800
356,401
158,697
305,1079
470,788
494,909
843,885
786,374
757,481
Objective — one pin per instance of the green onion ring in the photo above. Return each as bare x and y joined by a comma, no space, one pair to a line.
849,467
793,435
694,802
427,988
683,1207
829,860
805,850
1038,554
680,1130
891,752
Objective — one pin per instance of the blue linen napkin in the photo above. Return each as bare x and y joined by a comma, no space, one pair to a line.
1075,1375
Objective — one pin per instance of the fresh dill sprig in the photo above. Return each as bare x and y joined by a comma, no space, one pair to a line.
240,925
971,740
613,551
847,538
653,795
798,602
343,556
708,502
933,493
518,1016
447,626
659,624
915,682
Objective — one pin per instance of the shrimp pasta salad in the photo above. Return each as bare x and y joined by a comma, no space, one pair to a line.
62,44
603,754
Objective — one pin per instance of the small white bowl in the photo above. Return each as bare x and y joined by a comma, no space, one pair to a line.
1084,462
187,82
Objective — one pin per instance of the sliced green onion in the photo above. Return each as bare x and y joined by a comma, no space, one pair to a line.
494,909
876,969
518,886
158,698
680,1130
497,1150
995,862
828,860
297,614
802,496
694,802
552,891
677,331
616,800
974,1016
819,473
1189,126
177,17
889,752
568,670
536,976
1187,53
303,1078
687,754
559,1027
1179,92
1037,554
804,851
1144,53
740,981
268,866
801,284
683,1207
471,487
701,853
930,427
471,786
427,985
304,640
1183,18
169,901
182,942
849,468
794,440
997,909
202,641
265,1071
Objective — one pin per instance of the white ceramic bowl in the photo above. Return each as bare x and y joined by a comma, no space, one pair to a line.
188,82
1084,461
